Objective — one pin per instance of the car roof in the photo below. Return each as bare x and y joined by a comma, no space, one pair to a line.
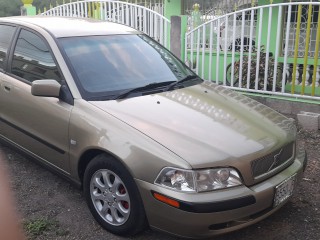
71,26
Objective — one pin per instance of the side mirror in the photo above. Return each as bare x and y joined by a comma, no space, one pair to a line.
45,88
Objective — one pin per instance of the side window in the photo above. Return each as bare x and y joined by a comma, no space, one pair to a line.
32,59
6,34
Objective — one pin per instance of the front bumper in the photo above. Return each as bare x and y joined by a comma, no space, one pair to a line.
234,208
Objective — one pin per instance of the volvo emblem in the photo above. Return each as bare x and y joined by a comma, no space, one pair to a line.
276,159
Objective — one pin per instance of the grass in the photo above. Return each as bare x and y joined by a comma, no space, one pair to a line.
37,227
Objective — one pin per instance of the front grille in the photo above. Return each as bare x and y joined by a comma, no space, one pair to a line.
273,160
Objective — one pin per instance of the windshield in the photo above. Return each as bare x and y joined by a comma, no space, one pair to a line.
107,65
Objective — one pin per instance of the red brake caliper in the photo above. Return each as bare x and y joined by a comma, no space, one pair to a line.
122,190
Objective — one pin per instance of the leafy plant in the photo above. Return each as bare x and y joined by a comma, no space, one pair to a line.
39,226
247,70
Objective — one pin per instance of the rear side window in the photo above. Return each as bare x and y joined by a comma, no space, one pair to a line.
32,59
6,34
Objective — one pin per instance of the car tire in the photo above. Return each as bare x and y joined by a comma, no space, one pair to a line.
113,197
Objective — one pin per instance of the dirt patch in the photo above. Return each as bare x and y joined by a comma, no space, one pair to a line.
52,208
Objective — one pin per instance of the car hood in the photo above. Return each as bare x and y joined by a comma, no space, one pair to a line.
205,124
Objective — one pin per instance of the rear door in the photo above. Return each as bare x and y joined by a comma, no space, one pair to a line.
39,125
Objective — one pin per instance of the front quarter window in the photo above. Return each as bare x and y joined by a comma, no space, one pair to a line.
105,66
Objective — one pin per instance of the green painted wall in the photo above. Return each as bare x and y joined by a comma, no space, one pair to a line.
264,30
267,2
172,8
222,68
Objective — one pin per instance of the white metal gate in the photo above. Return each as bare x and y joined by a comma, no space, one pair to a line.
139,17
270,49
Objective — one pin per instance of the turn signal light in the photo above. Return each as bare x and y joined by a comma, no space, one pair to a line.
166,200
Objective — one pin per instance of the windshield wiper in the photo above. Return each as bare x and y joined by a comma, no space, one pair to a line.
149,86
186,79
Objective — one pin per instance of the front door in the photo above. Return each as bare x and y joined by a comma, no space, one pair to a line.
39,125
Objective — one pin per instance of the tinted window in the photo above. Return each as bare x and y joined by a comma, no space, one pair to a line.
6,33
106,65
32,59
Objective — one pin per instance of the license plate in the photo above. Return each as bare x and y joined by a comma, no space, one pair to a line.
284,190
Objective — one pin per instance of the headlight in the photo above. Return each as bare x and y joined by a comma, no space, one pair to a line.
178,179
200,180
213,179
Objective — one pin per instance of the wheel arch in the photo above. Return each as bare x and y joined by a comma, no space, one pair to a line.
88,155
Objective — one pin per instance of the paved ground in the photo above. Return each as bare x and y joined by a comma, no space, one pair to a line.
51,208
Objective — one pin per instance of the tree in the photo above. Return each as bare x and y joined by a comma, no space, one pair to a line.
41,4
10,8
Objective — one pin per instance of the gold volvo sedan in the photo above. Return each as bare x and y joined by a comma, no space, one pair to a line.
150,142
